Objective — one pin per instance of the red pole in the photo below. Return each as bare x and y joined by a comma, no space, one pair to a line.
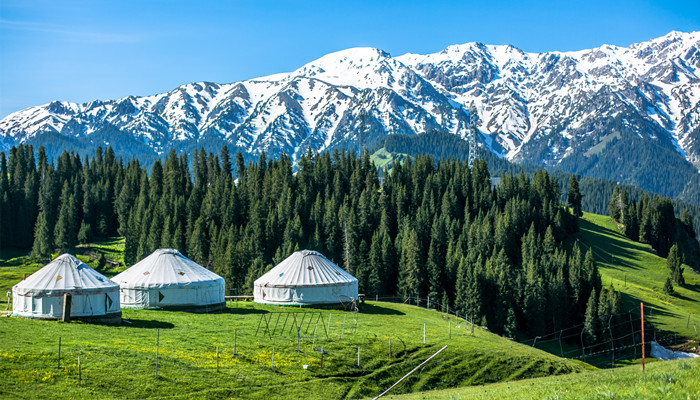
642,308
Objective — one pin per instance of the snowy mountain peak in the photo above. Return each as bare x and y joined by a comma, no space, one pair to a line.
360,66
554,108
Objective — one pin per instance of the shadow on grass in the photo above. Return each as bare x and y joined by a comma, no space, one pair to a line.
378,310
692,287
611,247
146,324
681,297
243,311
631,304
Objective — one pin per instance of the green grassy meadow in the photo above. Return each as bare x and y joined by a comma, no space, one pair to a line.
620,259
662,380
119,361
383,158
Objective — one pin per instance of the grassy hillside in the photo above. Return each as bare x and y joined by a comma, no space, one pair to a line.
382,158
621,260
662,380
14,264
119,361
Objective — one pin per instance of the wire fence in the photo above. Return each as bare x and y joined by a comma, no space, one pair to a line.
619,339
251,353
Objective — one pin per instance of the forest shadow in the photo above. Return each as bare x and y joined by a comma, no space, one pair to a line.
611,250
616,235
243,311
632,303
146,324
681,297
692,287
374,309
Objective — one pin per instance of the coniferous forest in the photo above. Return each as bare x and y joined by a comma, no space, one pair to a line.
437,229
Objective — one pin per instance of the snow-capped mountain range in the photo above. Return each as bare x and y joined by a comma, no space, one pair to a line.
558,109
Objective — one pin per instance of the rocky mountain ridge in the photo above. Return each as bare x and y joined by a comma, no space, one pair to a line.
608,112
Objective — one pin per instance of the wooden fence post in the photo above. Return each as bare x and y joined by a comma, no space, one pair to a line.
641,305
67,301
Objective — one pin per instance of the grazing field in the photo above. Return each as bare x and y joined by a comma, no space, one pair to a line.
662,380
119,361
635,270
383,158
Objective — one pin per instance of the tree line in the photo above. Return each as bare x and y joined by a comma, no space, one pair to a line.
652,220
430,228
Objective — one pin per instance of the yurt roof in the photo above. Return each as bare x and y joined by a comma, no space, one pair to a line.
64,273
305,268
166,267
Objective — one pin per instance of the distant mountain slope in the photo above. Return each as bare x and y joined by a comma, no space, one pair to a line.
628,114
596,192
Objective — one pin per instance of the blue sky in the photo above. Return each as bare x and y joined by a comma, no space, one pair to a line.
85,50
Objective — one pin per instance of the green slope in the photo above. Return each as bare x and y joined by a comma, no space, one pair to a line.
119,361
635,270
662,380
382,158
621,260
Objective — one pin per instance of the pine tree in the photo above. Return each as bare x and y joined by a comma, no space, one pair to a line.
590,324
687,221
645,233
574,196
198,248
631,224
376,265
668,286
674,263
614,205
62,231
43,236
434,272
131,239
534,301
510,329
411,276
549,243
85,233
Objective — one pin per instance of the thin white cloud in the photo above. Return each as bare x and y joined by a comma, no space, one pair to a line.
85,36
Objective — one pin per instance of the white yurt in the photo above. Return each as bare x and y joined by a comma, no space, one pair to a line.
94,296
168,280
305,278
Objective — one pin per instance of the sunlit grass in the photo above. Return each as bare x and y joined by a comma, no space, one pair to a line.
662,380
635,270
119,361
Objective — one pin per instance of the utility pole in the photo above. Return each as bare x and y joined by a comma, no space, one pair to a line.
473,121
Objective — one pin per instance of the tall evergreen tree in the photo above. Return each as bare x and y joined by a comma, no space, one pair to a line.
574,196
62,232
411,274
590,324
674,262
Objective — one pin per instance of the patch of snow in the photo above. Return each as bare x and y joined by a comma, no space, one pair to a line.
662,353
